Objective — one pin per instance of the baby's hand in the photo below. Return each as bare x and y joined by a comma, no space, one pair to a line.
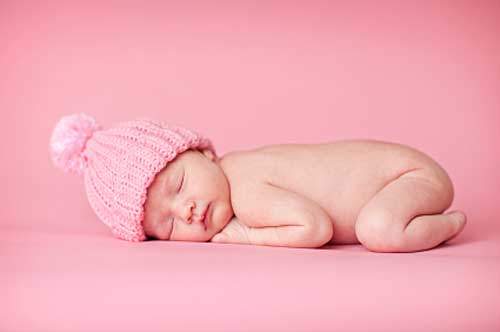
237,231
234,232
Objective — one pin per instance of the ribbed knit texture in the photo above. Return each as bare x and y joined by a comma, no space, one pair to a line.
121,162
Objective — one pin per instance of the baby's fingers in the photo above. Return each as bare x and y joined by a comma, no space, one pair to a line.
220,238
234,232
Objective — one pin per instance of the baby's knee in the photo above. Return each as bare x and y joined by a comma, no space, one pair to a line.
389,242
378,232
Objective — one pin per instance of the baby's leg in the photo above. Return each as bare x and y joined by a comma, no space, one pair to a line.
406,215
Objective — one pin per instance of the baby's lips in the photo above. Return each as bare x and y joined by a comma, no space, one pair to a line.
205,215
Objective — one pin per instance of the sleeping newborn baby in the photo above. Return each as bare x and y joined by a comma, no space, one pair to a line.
148,179
386,196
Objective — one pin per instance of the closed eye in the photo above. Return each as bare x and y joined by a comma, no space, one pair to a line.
182,183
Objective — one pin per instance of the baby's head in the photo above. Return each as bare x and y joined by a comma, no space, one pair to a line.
189,199
133,175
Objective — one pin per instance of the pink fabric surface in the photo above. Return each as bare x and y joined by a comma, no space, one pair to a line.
89,282
247,74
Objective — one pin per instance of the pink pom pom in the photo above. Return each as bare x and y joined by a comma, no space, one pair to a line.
69,139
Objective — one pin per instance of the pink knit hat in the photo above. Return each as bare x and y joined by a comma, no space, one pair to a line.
119,164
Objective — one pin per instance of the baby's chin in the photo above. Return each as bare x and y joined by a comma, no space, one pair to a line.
216,221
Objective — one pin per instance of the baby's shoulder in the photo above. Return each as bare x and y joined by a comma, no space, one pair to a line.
245,165
244,173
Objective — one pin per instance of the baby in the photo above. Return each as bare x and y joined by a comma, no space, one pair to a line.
387,196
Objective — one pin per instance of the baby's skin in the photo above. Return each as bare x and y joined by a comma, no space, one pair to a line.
387,196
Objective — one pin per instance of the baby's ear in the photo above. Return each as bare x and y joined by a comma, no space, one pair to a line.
209,154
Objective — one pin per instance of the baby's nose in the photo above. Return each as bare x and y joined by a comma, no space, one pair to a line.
187,212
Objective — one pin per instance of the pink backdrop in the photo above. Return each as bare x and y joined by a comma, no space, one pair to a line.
247,74
426,74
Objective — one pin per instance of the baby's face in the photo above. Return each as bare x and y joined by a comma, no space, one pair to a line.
181,193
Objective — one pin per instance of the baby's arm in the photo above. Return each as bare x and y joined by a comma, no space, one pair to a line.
269,215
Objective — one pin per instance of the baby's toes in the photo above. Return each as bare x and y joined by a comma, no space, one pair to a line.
459,219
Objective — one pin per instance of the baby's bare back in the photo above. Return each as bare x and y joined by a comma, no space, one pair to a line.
340,176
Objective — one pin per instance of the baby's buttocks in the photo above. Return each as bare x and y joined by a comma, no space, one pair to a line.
340,176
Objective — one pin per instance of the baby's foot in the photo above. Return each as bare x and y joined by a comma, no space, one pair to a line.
459,219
